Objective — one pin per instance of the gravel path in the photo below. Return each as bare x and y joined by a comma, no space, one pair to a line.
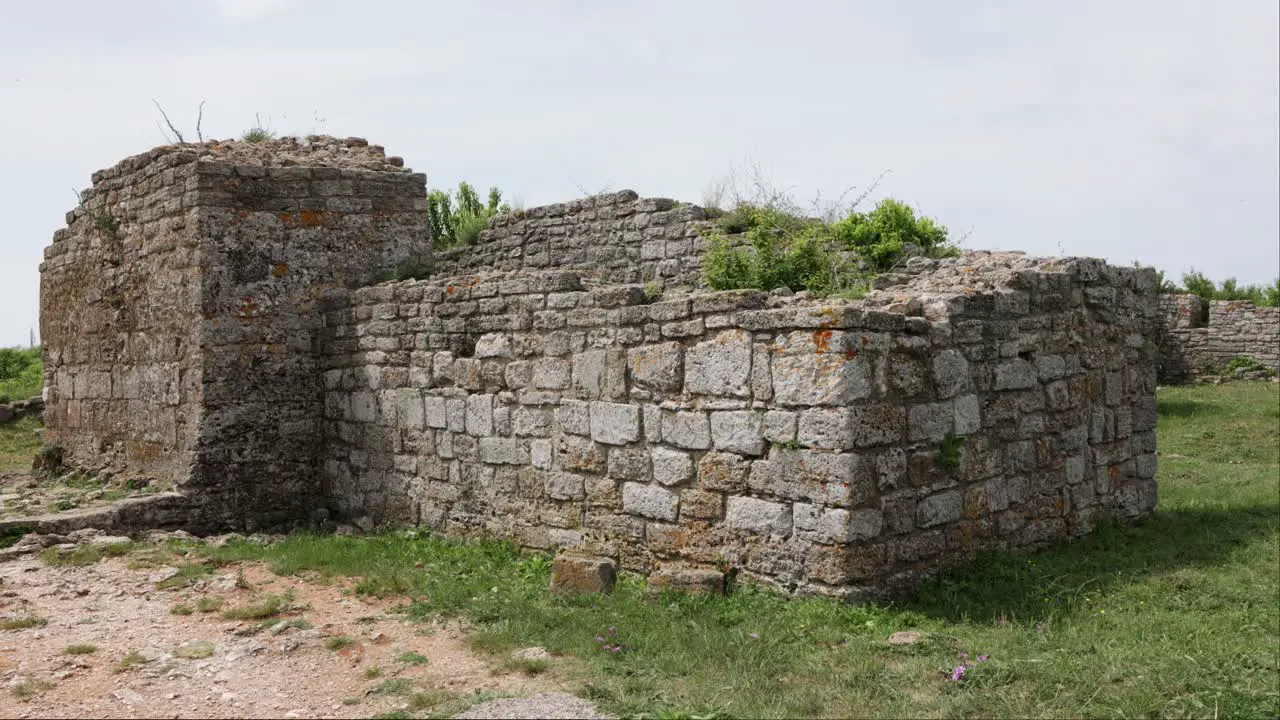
552,705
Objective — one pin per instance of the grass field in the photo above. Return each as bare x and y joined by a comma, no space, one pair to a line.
1177,617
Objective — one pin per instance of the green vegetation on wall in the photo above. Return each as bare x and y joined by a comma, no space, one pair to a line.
21,374
458,219
785,249
1197,283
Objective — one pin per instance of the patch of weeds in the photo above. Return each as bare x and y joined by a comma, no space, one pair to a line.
792,444
194,650
422,700
22,622
408,270
394,715
949,450
261,608
373,672
259,132
338,642
84,554
11,536
188,573
182,609
29,688
412,658
529,667
295,623
392,686
242,582
349,701
85,649
133,659
209,604
653,290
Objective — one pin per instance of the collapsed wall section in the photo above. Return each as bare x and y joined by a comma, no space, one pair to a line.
1195,335
612,238
204,304
831,447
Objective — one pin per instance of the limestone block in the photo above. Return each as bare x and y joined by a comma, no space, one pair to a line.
1016,374
779,426
630,463
491,345
738,431
503,451
614,423
687,429
757,516
723,472
720,366
650,501
670,467
968,415
950,373
939,509
930,421
479,415
657,367
551,373
575,575
565,486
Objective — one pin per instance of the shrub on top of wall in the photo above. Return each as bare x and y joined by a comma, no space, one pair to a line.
459,219
784,249
1197,283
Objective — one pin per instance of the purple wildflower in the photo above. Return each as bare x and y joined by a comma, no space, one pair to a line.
599,638
613,631
983,658
958,674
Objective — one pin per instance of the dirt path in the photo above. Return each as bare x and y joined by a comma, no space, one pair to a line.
280,671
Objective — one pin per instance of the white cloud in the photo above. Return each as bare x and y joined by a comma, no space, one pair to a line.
245,10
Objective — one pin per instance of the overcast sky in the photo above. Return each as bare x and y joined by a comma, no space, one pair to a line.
1132,129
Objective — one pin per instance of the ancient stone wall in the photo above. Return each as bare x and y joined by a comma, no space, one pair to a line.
838,447
1194,337
616,238
179,311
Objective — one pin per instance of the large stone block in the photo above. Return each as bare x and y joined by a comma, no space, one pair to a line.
657,367
720,366
575,575
650,501
687,429
739,431
758,516
615,423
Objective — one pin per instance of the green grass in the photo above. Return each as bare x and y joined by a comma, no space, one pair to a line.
209,604
338,642
188,573
262,607
80,649
134,658
412,658
1174,617
21,374
22,622
18,445
85,554
27,689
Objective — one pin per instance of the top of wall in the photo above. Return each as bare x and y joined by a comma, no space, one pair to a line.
312,151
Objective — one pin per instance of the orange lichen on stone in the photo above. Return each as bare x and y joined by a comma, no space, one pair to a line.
822,338
279,270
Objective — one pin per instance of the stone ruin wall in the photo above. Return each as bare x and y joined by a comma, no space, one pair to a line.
801,441
1194,338
228,338
611,238
182,344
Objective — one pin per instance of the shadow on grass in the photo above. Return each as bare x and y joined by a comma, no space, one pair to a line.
1030,588
1181,408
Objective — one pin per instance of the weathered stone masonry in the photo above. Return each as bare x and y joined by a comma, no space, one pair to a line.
182,343
229,338
801,441
1192,340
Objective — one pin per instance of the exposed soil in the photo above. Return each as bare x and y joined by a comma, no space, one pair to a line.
252,671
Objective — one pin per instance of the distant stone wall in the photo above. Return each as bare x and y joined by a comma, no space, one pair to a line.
179,310
1193,338
613,238
829,447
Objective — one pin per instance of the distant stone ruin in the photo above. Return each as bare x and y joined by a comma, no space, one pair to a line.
213,314
1198,336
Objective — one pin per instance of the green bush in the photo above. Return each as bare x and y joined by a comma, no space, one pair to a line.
1197,283
458,220
21,374
881,236
783,249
